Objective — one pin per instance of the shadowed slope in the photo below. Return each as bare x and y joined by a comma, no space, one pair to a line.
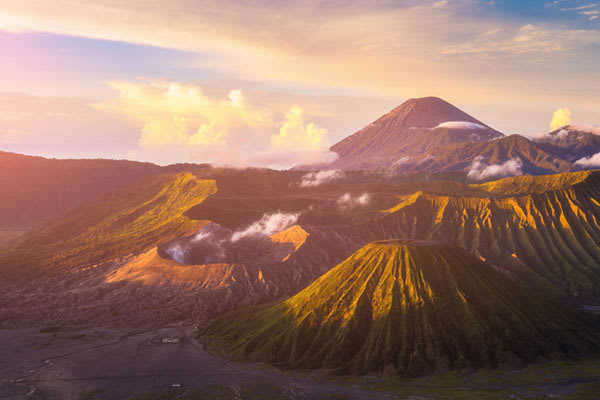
123,222
408,307
570,142
460,156
431,135
35,188
407,131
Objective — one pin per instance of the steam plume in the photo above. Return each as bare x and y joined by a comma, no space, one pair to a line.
346,200
318,178
267,225
560,118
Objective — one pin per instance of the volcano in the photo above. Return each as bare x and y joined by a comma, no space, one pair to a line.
413,128
408,307
431,135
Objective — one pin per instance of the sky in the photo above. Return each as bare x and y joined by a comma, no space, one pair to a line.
275,83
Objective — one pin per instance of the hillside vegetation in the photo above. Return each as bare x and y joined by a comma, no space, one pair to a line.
126,221
405,307
544,230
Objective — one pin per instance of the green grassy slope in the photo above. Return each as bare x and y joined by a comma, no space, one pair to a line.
119,223
550,236
411,308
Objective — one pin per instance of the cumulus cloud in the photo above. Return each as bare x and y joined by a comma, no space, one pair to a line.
296,133
181,120
560,118
460,125
318,178
589,162
267,225
480,169
346,200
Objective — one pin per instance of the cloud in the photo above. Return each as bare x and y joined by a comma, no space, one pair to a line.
563,133
460,125
595,129
181,121
560,118
314,42
584,7
318,178
481,170
588,162
346,200
59,127
267,225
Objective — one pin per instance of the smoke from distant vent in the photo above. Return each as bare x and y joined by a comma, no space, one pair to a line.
560,118
318,178
481,170
177,252
347,201
267,225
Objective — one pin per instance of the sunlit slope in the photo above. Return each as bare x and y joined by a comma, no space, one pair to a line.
545,230
120,223
410,308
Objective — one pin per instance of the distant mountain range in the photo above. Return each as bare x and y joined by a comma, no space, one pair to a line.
431,135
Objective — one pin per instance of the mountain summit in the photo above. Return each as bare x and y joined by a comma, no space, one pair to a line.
409,307
424,112
431,135
407,133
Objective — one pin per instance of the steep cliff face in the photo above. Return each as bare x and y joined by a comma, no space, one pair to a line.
405,306
544,230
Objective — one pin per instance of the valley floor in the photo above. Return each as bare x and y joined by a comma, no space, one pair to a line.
101,363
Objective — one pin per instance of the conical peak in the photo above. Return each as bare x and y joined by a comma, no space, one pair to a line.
427,112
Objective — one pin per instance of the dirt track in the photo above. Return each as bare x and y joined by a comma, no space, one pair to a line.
115,365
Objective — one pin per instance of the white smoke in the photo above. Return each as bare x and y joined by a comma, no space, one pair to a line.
401,161
313,179
200,236
267,225
460,125
592,161
480,169
346,200
177,252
